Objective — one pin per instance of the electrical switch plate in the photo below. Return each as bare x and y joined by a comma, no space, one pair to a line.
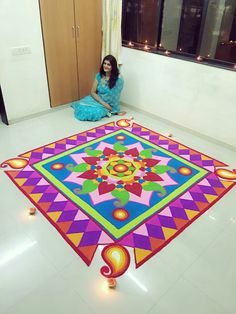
22,50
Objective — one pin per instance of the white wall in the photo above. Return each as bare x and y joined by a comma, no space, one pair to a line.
23,78
196,96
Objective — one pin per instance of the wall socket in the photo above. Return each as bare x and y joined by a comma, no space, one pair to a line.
21,50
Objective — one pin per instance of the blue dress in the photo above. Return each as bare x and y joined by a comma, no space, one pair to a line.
88,109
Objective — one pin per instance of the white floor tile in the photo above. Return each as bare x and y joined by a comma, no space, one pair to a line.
214,271
54,297
22,267
134,289
183,298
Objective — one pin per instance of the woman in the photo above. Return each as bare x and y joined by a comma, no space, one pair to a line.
105,94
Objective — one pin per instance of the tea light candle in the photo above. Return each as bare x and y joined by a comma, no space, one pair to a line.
146,47
111,283
32,210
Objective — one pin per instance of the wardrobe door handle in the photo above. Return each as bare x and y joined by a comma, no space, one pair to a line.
77,31
73,31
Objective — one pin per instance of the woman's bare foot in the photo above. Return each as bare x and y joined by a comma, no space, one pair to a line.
121,113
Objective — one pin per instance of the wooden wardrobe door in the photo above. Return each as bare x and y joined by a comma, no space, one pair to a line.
88,17
58,23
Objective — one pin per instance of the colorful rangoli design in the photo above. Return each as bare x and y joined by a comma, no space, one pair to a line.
120,186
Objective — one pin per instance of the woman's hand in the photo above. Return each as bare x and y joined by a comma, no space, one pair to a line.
97,98
106,105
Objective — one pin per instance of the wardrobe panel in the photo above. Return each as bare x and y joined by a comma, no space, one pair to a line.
88,17
59,33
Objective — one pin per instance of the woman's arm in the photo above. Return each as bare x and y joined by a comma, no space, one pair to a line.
96,97
116,92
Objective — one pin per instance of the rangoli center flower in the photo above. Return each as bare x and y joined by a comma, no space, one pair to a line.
123,173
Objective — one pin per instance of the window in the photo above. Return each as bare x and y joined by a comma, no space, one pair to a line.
199,30
190,26
140,21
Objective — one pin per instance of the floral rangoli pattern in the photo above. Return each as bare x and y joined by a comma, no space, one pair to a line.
119,185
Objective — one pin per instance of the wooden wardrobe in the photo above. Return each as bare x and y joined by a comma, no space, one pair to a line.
72,34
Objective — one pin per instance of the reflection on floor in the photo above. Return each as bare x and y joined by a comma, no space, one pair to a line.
40,273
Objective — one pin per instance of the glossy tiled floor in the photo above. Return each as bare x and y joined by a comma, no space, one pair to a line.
40,273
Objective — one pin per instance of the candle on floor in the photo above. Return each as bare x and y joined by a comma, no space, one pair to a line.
111,283
32,211
199,58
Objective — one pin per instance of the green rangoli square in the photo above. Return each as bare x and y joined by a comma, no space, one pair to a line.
120,179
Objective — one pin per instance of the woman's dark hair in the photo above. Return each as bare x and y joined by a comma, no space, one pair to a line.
114,70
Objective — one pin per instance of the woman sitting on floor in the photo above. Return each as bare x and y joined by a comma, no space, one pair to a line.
105,94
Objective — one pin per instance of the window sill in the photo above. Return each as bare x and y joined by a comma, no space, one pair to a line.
182,56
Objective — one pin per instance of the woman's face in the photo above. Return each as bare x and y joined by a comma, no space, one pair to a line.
107,66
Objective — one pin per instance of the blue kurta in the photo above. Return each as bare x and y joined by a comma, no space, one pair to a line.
88,109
